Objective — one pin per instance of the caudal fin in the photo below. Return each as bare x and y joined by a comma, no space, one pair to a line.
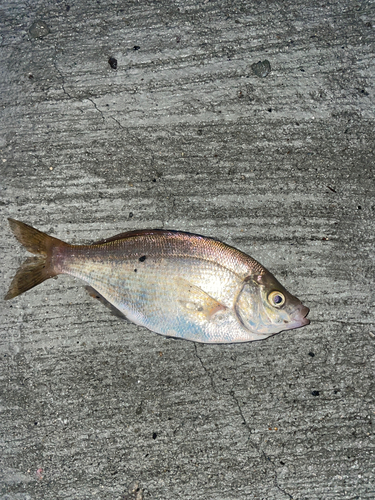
34,270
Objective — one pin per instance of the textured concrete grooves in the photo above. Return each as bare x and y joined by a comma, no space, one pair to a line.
245,423
184,135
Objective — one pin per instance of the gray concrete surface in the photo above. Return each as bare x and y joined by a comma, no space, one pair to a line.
185,135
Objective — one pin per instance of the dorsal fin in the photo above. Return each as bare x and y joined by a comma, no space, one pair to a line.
148,232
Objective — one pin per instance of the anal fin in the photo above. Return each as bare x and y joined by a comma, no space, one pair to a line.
96,295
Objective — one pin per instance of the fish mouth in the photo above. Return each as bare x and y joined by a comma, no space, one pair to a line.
299,317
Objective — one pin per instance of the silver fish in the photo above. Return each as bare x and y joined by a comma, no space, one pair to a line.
174,283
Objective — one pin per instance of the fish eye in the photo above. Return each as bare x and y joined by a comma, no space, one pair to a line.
276,299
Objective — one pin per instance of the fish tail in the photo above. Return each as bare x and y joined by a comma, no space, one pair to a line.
34,270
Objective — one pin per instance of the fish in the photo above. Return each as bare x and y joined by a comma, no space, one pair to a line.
174,283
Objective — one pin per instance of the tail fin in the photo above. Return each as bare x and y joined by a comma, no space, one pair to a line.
34,270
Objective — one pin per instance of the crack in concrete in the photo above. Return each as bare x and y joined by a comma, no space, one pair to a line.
204,368
61,74
96,107
54,61
246,424
102,114
118,123
256,447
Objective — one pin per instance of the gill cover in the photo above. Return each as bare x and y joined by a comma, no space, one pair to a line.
248,306
263,305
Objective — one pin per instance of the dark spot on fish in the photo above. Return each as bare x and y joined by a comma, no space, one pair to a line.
153,180
31,76
315,393
136,47
135,270
154,436
112,62
142,259
131,215
359,207
311,354
282,463
269,110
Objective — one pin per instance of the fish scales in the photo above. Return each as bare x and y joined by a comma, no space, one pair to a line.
144,290
174,283
208,265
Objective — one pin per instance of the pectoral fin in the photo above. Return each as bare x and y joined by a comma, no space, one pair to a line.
194,300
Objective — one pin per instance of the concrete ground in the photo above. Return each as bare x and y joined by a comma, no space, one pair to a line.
190,133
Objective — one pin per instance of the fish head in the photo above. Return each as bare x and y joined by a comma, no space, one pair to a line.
264,306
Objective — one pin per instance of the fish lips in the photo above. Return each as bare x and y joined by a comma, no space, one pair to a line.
299,317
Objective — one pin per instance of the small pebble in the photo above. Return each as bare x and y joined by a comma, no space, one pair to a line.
133,493
112,62
39,29
261,68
